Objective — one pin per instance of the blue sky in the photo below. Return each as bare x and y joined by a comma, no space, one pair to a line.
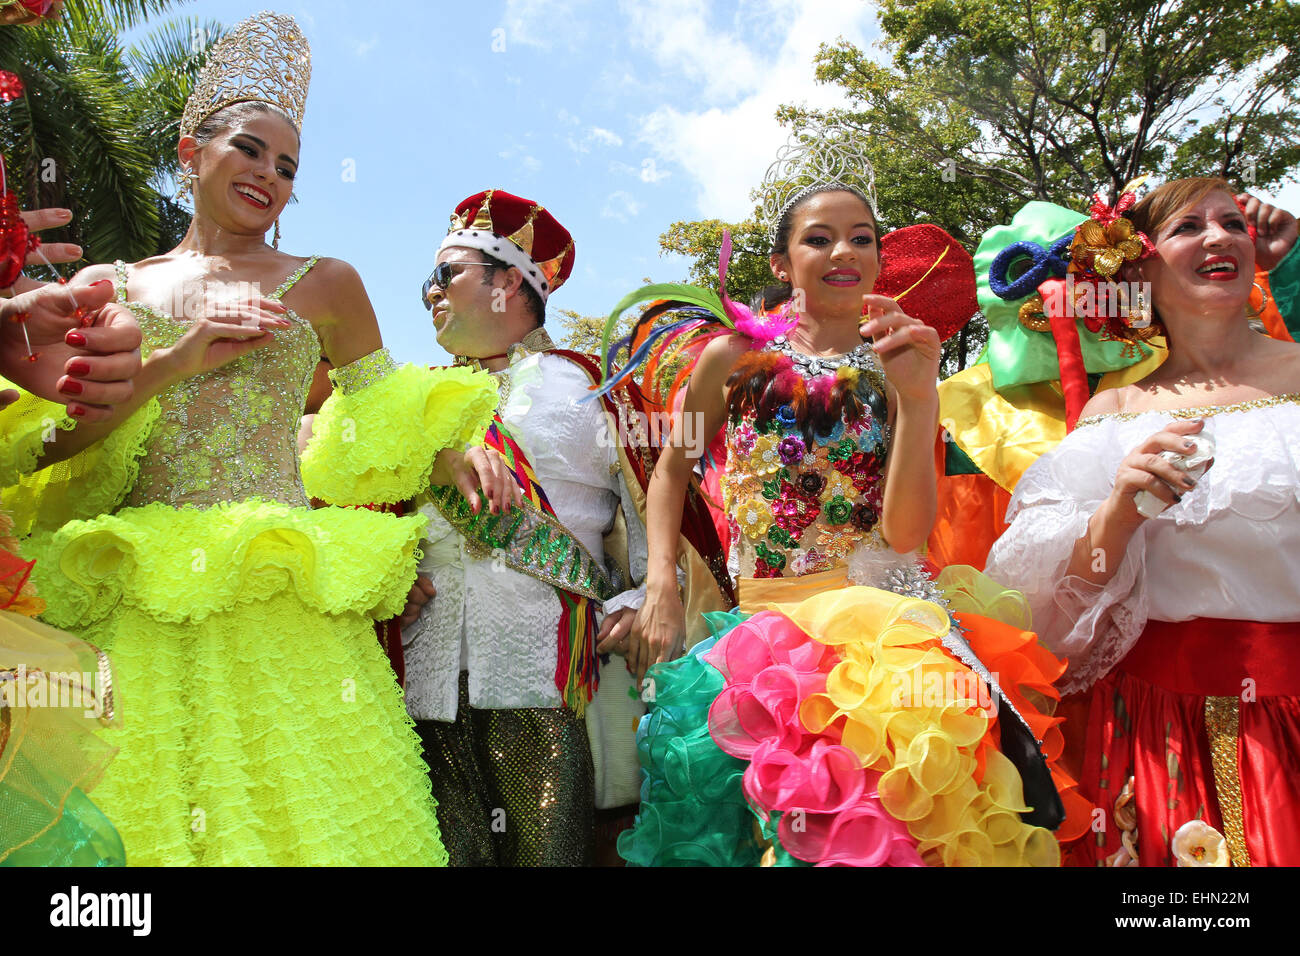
620,116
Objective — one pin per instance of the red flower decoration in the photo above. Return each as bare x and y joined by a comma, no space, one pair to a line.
15,241
11,86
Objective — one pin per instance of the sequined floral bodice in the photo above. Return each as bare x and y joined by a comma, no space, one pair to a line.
229,434
798,506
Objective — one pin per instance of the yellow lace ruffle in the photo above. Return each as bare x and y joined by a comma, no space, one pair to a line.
265,735
377,445
90,483
186,564
961,801
24,427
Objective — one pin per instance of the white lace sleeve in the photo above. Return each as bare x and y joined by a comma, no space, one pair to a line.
1093,626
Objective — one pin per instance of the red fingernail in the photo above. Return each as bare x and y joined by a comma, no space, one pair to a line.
75,338
76,411
107,282
79,366
71,387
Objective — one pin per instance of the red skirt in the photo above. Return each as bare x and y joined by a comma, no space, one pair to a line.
1200,721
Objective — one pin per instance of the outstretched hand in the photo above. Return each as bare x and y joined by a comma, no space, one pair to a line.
908,348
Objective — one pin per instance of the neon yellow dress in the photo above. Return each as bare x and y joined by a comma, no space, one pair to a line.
265,725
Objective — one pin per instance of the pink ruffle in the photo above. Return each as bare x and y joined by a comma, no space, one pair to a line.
831,813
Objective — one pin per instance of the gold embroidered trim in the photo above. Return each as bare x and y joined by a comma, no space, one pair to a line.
1221,721
1197,411
366,370
105,684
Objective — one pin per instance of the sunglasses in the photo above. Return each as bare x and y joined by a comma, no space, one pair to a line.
441,277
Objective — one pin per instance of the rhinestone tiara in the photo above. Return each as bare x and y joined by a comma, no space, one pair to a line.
264,58
810,159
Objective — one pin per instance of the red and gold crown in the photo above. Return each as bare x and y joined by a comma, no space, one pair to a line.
517,231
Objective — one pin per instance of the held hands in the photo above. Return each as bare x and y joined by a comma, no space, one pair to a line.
658,632
478,469
422,592
908,348
1144,470
1275,230
88,367
614,630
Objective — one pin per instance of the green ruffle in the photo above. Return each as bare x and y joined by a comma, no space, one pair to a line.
693,811
83,836
24,427
185,564
378,444
92,482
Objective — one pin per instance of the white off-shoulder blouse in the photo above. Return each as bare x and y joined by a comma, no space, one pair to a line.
1229,549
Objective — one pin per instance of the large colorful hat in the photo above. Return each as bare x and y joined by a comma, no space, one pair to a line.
517,231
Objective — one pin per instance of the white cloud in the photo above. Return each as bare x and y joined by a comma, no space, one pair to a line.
681,39
726,145
528,163
595,135
650,171
363,47
538,23
604,137
620,205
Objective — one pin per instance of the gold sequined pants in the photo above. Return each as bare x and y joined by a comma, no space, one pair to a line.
514,787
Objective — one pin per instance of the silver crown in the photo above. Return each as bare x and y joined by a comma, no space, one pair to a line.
812,159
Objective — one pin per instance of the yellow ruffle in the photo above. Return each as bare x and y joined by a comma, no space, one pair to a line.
185,564
90,483
926,746
378,444
24,427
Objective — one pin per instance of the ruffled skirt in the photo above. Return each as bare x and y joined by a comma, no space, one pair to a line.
265,726
839,730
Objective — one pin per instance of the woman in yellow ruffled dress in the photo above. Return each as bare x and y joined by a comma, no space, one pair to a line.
266,727
840,705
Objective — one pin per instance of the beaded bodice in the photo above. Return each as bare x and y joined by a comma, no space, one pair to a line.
799,503
228,434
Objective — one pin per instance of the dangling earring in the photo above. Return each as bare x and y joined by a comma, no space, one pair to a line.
781,276
275,239
186,188
1139,315
1263,302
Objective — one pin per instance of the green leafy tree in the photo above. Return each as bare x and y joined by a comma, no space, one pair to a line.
992,103
982,105
96,132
